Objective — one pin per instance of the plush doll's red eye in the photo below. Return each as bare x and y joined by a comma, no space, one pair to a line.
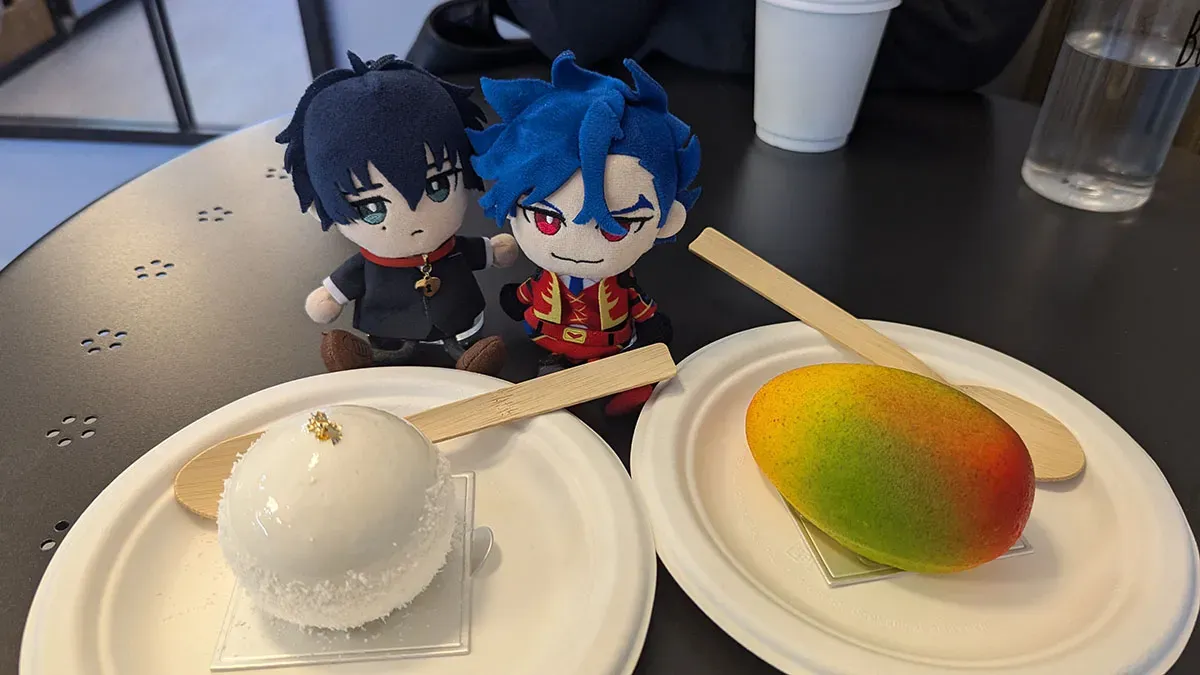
614,237
624,225
547,224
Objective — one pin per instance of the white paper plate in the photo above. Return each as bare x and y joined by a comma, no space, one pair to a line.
1110,586
139,586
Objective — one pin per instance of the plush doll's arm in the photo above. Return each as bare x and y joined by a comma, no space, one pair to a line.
504,250
514,298
655,329
321,306
640,304
348,282
482,252
652,325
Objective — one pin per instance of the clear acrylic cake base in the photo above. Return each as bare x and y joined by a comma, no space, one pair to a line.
436,623
843,567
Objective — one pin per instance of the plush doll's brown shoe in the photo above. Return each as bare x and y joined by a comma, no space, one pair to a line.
343,350
486,357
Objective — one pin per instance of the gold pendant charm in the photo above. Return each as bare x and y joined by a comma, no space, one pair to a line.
428,286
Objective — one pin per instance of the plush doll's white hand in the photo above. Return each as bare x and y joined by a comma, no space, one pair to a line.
504,250
321,307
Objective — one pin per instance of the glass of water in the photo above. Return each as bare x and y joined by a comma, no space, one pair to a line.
1121,85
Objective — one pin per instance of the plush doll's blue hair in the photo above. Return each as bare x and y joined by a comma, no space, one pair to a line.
549,130
384,112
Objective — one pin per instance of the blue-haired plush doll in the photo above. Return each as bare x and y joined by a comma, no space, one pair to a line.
380,151
590,173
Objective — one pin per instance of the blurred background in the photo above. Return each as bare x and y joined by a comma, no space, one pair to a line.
94,92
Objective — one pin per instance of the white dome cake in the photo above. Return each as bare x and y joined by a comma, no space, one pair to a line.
338,517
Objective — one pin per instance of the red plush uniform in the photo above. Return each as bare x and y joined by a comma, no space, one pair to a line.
597,322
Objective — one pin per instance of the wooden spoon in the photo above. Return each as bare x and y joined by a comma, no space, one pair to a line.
199,484
1055,451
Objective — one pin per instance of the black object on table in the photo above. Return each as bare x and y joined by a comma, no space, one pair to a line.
183,291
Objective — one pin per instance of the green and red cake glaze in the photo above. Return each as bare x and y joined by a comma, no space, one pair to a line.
898,468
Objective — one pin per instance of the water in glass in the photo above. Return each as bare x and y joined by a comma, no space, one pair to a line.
1113,106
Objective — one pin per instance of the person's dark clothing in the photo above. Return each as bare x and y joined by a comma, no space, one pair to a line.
950,45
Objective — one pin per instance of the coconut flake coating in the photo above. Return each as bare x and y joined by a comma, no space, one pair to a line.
335,536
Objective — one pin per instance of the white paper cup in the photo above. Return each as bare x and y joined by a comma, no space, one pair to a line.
812,59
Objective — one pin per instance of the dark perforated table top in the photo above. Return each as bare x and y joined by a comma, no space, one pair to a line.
183,291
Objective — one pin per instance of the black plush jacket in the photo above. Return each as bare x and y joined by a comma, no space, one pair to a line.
388,305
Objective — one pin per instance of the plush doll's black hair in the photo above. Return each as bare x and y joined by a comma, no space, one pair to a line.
384,112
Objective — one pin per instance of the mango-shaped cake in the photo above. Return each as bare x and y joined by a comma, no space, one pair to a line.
896,467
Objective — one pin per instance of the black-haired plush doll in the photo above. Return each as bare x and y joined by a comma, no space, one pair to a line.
590,173
380,150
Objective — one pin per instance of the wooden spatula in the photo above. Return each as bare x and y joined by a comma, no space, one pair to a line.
1055,451
199,484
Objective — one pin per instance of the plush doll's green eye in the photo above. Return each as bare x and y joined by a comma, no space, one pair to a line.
438,187
372,211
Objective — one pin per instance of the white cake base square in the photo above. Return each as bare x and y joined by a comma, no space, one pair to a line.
436,623
843,567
